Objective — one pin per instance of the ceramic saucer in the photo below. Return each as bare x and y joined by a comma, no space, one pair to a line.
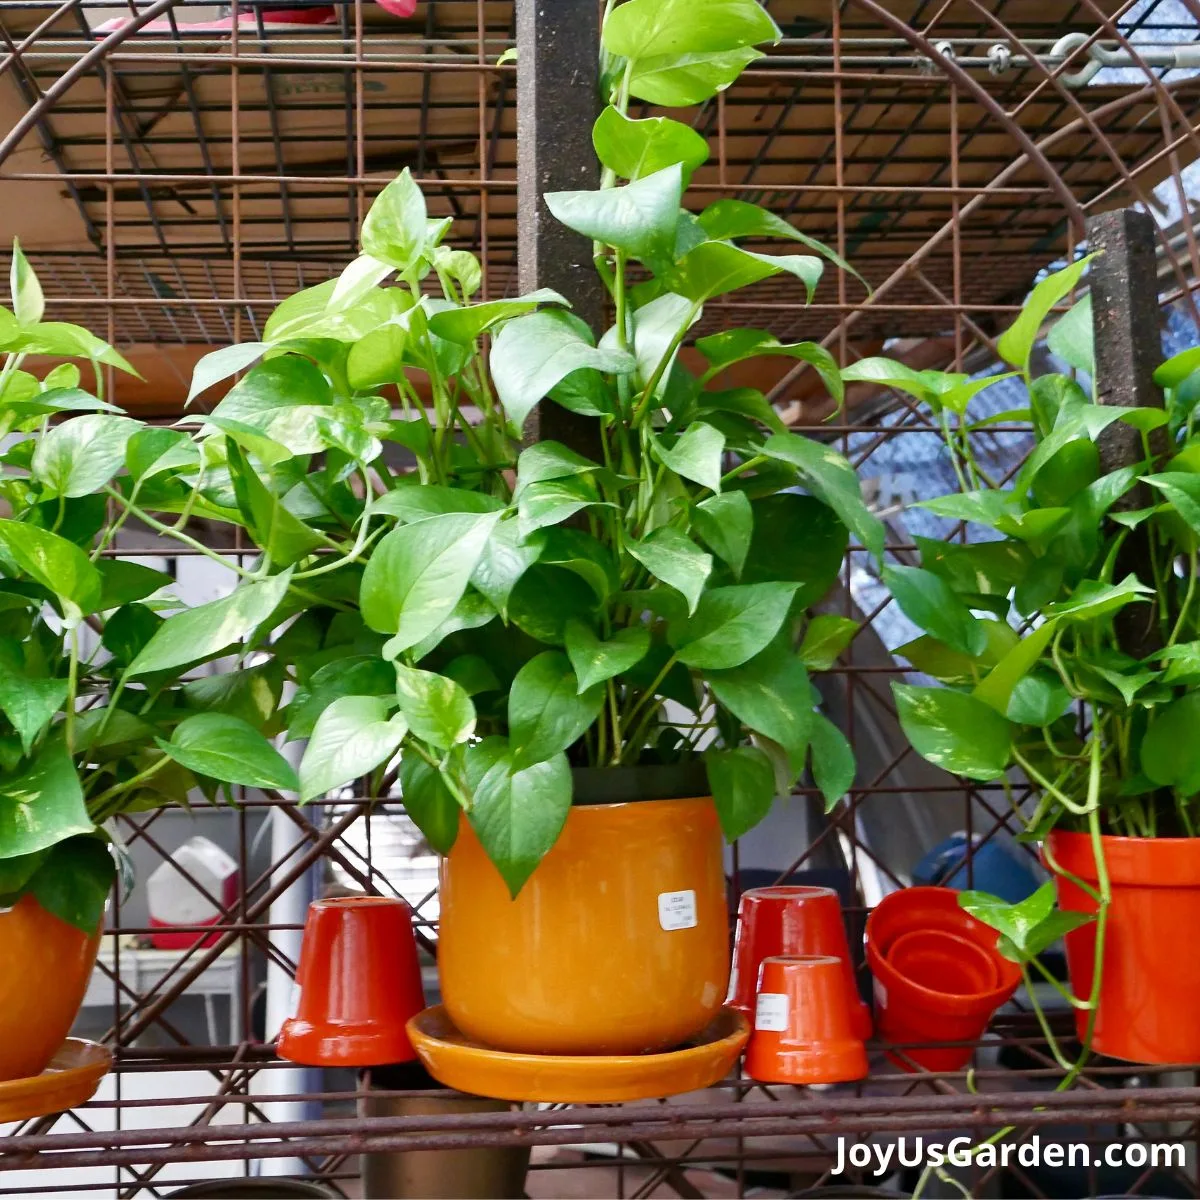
71,1078
455,1060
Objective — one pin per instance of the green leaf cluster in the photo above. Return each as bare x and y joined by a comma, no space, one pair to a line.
473,625
102,720
1063,633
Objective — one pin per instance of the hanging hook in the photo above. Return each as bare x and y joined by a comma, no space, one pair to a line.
1064,48
1184,56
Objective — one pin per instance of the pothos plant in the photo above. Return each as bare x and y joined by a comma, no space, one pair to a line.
97,717
498,615
1067,639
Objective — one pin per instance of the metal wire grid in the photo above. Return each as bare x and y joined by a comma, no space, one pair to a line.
221,172
190,181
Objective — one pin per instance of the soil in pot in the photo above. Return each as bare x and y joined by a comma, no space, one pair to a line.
617,944
45,965
1150,984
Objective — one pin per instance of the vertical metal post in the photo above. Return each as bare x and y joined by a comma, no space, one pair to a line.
1124,281
558,44
1128,347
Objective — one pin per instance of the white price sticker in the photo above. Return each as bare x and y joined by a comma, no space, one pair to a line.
677,910
771,1012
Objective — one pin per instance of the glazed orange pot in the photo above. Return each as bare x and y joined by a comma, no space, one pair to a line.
45,965
617,944
1150,982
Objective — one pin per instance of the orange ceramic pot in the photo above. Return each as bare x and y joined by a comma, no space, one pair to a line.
45,965
1150,980
617,944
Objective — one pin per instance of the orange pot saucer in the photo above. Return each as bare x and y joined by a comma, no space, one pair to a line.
454,1060
71,1078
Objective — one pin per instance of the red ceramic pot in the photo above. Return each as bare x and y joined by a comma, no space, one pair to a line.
803,1023
359,982
796,920
923,1018
943,962
1150,981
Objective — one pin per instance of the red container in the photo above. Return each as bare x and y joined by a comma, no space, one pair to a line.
912,1014
359,982
196,887
1151,980
803,1023
774,921
943,962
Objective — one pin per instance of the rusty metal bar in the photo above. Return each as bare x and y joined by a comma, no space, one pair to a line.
588,1126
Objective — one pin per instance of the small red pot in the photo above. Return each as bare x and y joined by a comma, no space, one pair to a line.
803,1023
359,982
1150,981
791,920
911,1012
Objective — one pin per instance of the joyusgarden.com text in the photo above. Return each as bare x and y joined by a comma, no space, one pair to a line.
882,1158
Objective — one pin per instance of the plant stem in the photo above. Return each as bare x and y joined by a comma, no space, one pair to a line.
177,534
1187,599
644,404
72,688
948,437
1104,898
115,526
1042,782
98,805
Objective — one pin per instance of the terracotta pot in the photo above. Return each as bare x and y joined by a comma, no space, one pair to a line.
1150,981
804,1024
959,1007
359,982
617,944
791,920
943,962
45,965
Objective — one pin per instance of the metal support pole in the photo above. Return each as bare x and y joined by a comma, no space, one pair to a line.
1128,346
557,102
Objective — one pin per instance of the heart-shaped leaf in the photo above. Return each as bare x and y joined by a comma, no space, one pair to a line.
228,749
437,709
547,712
352,737
518,814
201,632
594,661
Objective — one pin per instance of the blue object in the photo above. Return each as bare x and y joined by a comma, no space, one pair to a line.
997,869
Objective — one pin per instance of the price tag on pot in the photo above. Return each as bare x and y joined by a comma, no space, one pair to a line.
771,1012
677,910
